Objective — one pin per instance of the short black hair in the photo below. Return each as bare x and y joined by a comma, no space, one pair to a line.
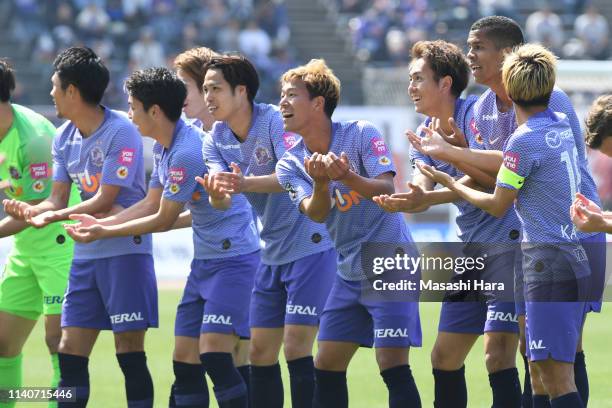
158,86
81,67
237,70
7,81
503,31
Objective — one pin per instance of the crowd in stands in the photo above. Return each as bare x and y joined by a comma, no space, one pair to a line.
135,34
383,31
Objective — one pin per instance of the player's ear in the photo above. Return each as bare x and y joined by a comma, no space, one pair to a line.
446,83
319,103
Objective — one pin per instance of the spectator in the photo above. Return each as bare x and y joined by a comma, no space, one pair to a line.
546,28
227,37
93,21
254,42
272,18
591,28
146,52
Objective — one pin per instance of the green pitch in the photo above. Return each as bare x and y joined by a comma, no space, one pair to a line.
365,385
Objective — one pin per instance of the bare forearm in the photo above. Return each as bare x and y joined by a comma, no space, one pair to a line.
441,196
368,187
183,220
138,210
145,225
318,205
263,184
480,199
487,161
96,204
483,178
10,226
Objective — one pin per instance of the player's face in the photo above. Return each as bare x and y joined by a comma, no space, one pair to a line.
220,99
296,106
59,96
194,106
424,90
484,58
139,117
606,146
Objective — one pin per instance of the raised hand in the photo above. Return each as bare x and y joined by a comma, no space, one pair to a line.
212,186
40,220
436,175
232,182
412,201
15,209
85,234
337,168
84,220
315,167
457,138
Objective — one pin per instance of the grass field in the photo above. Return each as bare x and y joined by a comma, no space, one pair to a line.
365,385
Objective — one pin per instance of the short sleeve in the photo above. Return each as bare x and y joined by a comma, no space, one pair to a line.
293,179
121,161
183,167
154,182
36,166
212,157
375,154
60,172
519,161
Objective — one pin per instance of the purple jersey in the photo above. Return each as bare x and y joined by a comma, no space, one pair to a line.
541,159
495,128
353,219
111,155
287,233
474,224
216,234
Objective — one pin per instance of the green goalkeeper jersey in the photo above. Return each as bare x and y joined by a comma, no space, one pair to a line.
26,168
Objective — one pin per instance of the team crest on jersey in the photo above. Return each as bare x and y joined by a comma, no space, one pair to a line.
14,172
289,140
122,172
291,190
477,136
38,186
39,171
126,157
174,188
384,161
262,155
96,156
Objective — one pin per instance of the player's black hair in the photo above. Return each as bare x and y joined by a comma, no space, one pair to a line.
503,31
158,86
7,81
81,67
237,70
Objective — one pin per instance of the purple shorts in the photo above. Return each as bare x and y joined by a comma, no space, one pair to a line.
552,329
217,296
293,293
118,293
478,317
595,247
487,314
348,317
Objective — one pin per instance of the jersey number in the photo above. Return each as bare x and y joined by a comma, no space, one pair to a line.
572,170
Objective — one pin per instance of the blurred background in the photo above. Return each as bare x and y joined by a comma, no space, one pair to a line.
366,42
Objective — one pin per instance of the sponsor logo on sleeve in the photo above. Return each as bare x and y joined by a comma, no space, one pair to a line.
174,188
511,161
39,171
38,186
379,148
122,172
126,157
384,161
177,175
